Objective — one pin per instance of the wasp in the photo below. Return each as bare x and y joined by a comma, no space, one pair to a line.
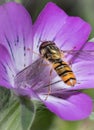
53,55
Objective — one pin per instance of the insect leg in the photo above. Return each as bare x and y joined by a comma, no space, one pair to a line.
29,49
67,52
49,87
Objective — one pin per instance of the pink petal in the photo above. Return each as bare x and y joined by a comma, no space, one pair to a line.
16,32
7,71
26,92
73,34
74,107
84,72
85,54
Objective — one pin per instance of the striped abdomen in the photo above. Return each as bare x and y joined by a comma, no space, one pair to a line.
65,72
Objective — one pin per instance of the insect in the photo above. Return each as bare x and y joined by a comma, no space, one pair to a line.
53,54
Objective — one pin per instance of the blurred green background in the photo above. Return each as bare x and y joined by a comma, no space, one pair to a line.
45,120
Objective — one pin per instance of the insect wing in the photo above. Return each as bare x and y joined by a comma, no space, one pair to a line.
29,73
83,54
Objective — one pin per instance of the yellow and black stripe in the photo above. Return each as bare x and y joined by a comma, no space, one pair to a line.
65,72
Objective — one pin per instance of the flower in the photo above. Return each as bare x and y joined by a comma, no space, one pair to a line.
21,70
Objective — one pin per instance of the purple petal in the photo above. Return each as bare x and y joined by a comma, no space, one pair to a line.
84,72
73,34
85,54
55,25
16,32
26,92
89,46
74,107
7,71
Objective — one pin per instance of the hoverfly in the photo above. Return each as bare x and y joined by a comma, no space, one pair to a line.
52,53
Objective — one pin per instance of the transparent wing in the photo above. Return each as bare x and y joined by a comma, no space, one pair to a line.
83,54
86,52
30,73
35,75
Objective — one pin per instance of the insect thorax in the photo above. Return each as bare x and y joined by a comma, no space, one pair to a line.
50,51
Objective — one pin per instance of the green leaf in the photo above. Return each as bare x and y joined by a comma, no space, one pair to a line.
91,117
91,40
17,115
27,112
10,117
86,11
43,119
4,97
